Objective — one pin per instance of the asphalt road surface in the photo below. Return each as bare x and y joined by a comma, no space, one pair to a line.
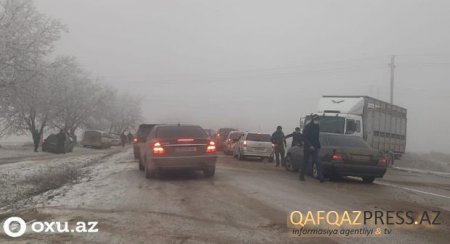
245,202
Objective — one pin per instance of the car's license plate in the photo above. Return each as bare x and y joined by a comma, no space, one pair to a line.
186,149
360,158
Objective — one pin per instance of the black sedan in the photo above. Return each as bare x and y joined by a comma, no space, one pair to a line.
51,145
341,155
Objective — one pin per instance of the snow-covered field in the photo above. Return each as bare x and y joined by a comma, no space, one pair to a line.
42,172
433,161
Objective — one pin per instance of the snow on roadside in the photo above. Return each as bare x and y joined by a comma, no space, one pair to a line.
99,175
433,161
21,180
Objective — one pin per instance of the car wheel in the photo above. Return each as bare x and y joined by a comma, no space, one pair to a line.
209,172
289,164
368,179
271,159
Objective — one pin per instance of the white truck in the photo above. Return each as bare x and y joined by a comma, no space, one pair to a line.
382,125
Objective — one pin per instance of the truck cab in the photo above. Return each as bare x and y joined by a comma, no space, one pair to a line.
348,124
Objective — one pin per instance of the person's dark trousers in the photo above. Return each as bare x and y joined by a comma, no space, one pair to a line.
279,154
314,154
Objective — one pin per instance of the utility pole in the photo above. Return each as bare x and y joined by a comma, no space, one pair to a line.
392,66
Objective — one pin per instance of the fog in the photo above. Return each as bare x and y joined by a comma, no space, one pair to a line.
257,64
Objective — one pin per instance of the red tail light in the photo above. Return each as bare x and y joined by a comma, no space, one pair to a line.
383,161
157,148
135,140
211,147
244,143
336,157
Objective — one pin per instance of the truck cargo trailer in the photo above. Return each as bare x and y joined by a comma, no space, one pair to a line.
381,124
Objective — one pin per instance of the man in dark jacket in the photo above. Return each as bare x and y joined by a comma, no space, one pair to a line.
123,138
61,141
279,143
311,147
297,137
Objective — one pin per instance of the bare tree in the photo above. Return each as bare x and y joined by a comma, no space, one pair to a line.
28,107
78,96
26,38
121,112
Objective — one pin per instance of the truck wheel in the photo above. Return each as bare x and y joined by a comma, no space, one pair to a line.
209,172
368,179
391,159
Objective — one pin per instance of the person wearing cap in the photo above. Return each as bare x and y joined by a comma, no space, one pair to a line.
311,147
279,143
297,137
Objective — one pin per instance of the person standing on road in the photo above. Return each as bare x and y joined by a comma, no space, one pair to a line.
311,147
123,138
61,141
297,137
130,137
279,144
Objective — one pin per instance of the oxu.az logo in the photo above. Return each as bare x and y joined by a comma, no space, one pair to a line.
14,226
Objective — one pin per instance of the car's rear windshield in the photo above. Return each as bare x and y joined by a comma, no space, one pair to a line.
225,131
344,141
144,130
258,137
170,132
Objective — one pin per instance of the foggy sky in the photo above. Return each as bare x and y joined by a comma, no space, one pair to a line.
257,64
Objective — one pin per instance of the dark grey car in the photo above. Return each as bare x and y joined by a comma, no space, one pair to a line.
342,155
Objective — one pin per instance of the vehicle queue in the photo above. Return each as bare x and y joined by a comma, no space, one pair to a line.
312,152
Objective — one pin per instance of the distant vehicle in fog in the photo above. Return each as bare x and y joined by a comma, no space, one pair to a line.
211,133
95,139
50,144
382,125
221,136
231,141
254,145
140,138
178,147
341,155
114,139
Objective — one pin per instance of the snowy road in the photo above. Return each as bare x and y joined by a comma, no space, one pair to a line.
246,202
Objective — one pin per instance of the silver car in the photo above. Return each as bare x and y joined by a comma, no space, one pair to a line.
231,141
254,145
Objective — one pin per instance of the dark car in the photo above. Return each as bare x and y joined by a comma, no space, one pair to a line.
140,137
221,136
342,155
50,144
178,147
